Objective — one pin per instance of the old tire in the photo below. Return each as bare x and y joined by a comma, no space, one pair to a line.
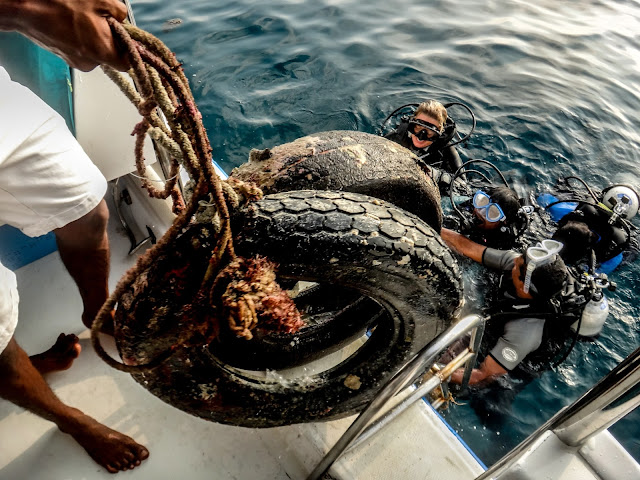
348,161
347,241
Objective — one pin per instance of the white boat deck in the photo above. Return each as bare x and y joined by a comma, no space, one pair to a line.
417,445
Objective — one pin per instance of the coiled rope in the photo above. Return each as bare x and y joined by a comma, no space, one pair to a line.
248,285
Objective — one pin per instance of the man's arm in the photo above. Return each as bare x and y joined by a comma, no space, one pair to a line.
488,370
76,30
462,245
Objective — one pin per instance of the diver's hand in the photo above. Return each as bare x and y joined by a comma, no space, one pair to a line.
77,30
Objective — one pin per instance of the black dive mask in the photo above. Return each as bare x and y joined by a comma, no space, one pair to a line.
429,131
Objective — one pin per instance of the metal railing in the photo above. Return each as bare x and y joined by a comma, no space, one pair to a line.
617,394
614,396
407,374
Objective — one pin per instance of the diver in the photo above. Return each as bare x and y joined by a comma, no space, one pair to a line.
493,218
429,132
529,292
600,222
493,215
539,309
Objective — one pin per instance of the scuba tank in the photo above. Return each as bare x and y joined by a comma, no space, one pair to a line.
596,310
594,315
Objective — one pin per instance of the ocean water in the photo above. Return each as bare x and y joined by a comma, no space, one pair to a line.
554,87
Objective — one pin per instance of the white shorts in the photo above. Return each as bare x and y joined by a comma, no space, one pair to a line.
46,179
8,306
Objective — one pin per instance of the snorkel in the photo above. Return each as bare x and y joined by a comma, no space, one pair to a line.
543,253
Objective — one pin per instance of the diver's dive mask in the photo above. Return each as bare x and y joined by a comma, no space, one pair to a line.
429,131
543,253
491,211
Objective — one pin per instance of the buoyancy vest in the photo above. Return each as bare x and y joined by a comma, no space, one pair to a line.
559,314
613,239
563,309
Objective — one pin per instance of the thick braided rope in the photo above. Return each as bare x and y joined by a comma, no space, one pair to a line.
163,87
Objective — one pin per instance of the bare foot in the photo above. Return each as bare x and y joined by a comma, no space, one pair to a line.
59,357
113,450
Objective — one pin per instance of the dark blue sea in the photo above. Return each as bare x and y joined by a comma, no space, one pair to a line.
555,87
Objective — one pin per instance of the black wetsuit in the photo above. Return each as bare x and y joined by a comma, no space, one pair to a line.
511,337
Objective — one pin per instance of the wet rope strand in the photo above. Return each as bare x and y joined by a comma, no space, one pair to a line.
161,84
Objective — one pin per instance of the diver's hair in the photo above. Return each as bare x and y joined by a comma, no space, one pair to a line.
508,201
577,239
550,279
433,109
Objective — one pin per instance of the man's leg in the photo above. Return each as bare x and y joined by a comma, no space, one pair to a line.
23,385
84,250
